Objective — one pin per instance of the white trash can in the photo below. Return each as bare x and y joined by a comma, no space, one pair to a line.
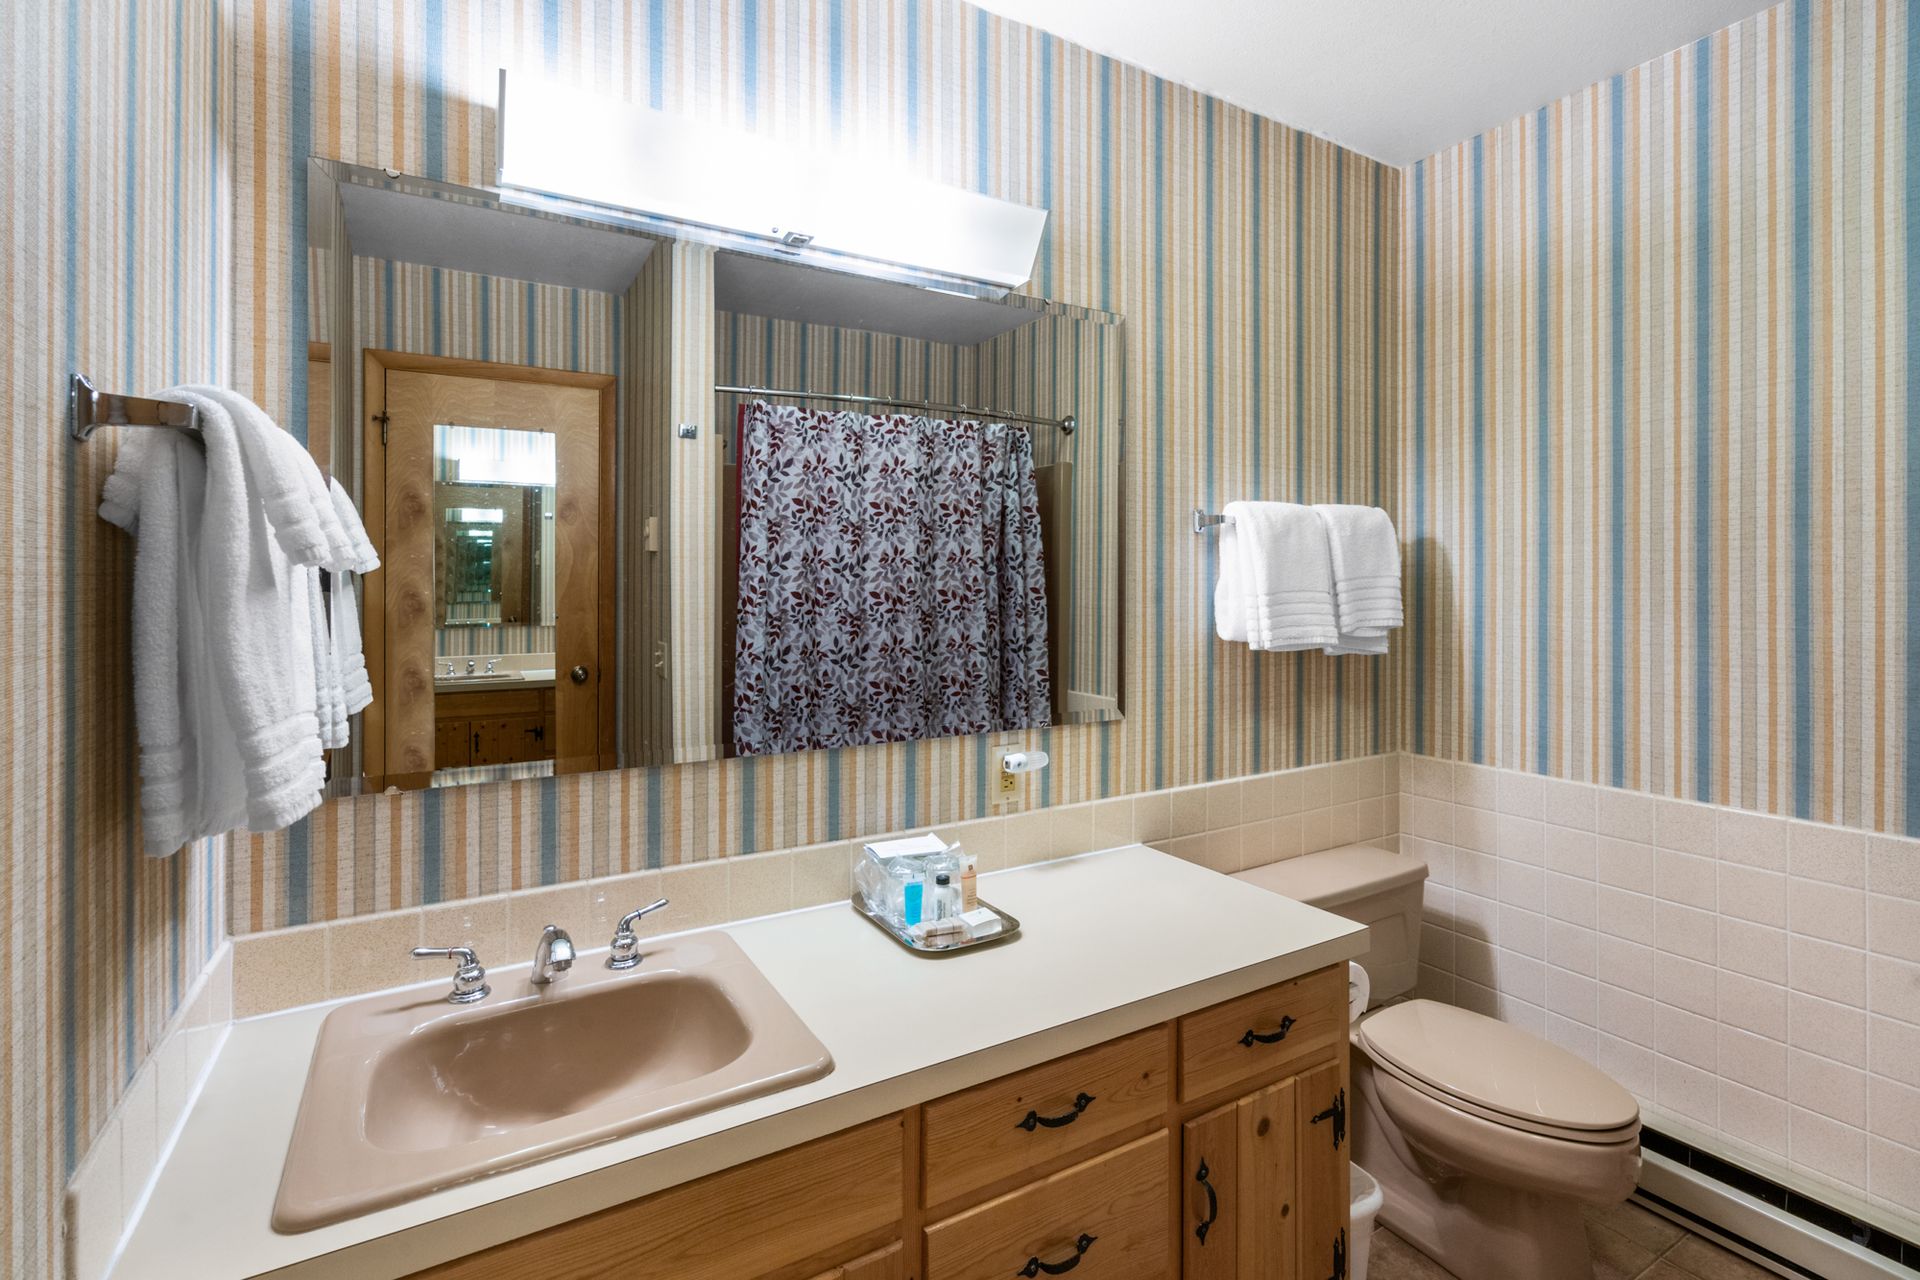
1366,1207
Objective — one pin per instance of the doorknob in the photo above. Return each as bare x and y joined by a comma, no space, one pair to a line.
578,675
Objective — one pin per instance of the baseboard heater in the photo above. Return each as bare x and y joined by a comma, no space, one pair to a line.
1782,1229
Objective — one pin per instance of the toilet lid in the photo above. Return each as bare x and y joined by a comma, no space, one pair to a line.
1494,1066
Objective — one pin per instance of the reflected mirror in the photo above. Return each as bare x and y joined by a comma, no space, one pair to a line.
645,494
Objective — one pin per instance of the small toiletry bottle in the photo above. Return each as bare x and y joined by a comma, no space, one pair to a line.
943,893
912,897
969,883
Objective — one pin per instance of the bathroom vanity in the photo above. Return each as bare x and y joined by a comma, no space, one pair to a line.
1150,1082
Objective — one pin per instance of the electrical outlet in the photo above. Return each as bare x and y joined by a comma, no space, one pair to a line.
1005,787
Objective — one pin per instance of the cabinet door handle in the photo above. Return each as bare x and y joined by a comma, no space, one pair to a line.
1338,1114
1213,1203
1035,1267
1254,1037
1035,1120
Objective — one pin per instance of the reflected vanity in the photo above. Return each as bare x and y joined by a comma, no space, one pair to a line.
649,494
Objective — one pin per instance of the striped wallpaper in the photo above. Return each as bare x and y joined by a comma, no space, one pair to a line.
1256,267
1660,427
106,108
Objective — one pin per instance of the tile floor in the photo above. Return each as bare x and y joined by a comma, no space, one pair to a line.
1629,1243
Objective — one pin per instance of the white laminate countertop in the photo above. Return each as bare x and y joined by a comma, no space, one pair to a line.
1110,943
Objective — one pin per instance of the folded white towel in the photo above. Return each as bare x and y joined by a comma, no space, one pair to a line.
1365,554
255,606
1275,585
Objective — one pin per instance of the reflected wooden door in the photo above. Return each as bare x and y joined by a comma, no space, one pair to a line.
407,397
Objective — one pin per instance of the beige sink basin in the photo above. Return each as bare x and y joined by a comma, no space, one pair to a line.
408,1094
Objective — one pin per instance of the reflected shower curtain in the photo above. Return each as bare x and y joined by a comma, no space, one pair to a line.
891,581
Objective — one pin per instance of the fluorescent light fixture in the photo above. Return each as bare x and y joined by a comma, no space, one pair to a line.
476,515
560,141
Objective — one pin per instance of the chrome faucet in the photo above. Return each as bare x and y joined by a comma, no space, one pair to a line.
626,944
552,955
469,980
491,664
472,666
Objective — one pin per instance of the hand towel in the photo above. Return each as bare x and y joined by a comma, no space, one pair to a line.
1275,586
1366,568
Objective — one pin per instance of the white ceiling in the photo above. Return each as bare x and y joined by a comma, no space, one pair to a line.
1394,79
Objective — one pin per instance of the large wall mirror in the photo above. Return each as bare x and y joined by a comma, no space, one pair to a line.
645,496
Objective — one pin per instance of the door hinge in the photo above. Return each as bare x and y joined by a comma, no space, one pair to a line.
1340,1256
383,420
1338,1114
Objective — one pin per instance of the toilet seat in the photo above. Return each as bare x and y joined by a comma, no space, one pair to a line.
1497,1072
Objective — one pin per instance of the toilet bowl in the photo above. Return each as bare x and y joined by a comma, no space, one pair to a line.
1486,1139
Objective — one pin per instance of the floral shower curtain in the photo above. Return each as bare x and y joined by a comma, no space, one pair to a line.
891,583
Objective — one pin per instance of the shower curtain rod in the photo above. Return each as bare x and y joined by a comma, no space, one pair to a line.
1066,424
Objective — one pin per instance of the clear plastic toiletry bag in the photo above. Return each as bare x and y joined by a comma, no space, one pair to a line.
885,872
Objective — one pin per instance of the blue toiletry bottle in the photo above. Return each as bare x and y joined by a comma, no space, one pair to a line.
912,895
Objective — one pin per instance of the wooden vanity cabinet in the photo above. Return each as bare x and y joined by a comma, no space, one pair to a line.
1210,1148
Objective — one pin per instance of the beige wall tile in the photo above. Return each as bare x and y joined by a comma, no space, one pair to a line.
1754,1061
372,952
1221,804
1751,839
610,898
480,923
1476,786
1759,896
1429,778
699,896
1894,989
1569,804
1187,811
1752,1117
1832,1030
1833,854
1028,838
1688,828
1625,815
823,873
1895,1111
1893,866
1833,912
273,971
759,886
1152,817
1827,1147
528,912
1520,795
1828,1087
984,838
1748,1004
1260,797
139,1123
1831,972
1893,926
1070,830
1113,823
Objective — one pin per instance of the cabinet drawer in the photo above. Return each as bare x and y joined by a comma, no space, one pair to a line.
889,1263
996,1130
1108,1216
772,1213
1262,1034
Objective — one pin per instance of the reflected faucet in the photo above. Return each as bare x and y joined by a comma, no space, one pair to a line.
552,955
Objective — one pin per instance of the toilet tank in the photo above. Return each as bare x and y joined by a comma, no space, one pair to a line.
1370,886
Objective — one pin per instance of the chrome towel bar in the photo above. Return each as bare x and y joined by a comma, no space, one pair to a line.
89,409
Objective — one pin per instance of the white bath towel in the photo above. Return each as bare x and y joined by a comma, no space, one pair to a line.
255,606
191,784
1275,585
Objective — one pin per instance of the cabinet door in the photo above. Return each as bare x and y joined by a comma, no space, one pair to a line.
1324,1205
889,1263
452,744
1239,1187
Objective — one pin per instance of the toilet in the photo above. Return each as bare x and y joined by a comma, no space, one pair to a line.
1485,1139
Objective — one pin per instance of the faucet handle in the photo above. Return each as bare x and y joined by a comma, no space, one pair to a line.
469,979
626,945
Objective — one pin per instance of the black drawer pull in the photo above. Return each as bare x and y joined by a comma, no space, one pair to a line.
1036,1267
1035,1120
1213,1203
1254,1037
